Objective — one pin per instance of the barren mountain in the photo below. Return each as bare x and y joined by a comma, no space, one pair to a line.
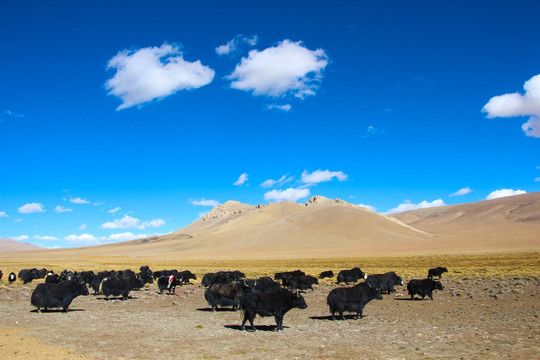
12,245
323,228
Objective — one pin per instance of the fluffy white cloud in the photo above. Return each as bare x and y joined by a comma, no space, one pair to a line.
128,222
290,194
83,226
3,214
281,181
503,193
319,176
154,73
462,191
288,68
410,206
46,238
31,208
79,201
286,107
369,207
537,179
59,209
515,104
88,239
20,238
204,202
232,45
155,223
241,179
115,210
124,223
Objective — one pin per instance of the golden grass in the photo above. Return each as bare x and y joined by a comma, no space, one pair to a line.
524,265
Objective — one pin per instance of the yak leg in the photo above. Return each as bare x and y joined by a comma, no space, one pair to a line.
279,321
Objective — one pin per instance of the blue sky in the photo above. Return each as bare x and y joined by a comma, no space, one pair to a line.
126,119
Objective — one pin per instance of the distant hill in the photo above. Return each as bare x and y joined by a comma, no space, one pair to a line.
323,228
508,223
12,245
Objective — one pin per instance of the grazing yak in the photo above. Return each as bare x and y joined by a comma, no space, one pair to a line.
438,271
287,275
186,275
423,287
265,284
303,282
350,276
12,277
51,295
27,275
120,286
226,294
274,303
385,281
326,274
52,278
169,282
352,299
222,277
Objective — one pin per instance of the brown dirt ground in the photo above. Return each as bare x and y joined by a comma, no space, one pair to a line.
470,319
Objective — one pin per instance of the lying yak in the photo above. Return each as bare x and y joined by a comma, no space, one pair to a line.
274,303
423,287
385,281
52,295
352,299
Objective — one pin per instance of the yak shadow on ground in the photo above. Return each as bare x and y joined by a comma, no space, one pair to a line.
119,298
409,299
54,310
218,309
329,317
258,327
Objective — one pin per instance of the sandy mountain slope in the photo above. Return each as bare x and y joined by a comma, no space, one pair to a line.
12,245
506,223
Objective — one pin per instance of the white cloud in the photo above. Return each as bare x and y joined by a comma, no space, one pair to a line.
115,210
232,45
372,131
515,104
79,201
20,238
241,179
130,222
319,176
410,206
10,115
503,193
369,207
83,226
31,208
290,194
59,209
124,223
154,73
88,239
155,223
3,214
45,238
204,202
281,181
537,179
462,191
288,68
286,107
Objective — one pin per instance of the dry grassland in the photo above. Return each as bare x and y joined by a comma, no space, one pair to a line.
524,265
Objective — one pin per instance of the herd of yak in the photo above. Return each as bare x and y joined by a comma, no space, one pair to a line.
263,296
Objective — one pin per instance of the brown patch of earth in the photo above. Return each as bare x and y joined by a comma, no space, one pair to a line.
470,319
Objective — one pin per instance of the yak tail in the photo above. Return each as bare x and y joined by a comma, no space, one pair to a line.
100,289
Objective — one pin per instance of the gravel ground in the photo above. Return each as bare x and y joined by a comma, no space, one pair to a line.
469,319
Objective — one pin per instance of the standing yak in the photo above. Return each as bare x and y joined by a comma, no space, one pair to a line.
52,295
385,281
350,276
351,299
274,303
